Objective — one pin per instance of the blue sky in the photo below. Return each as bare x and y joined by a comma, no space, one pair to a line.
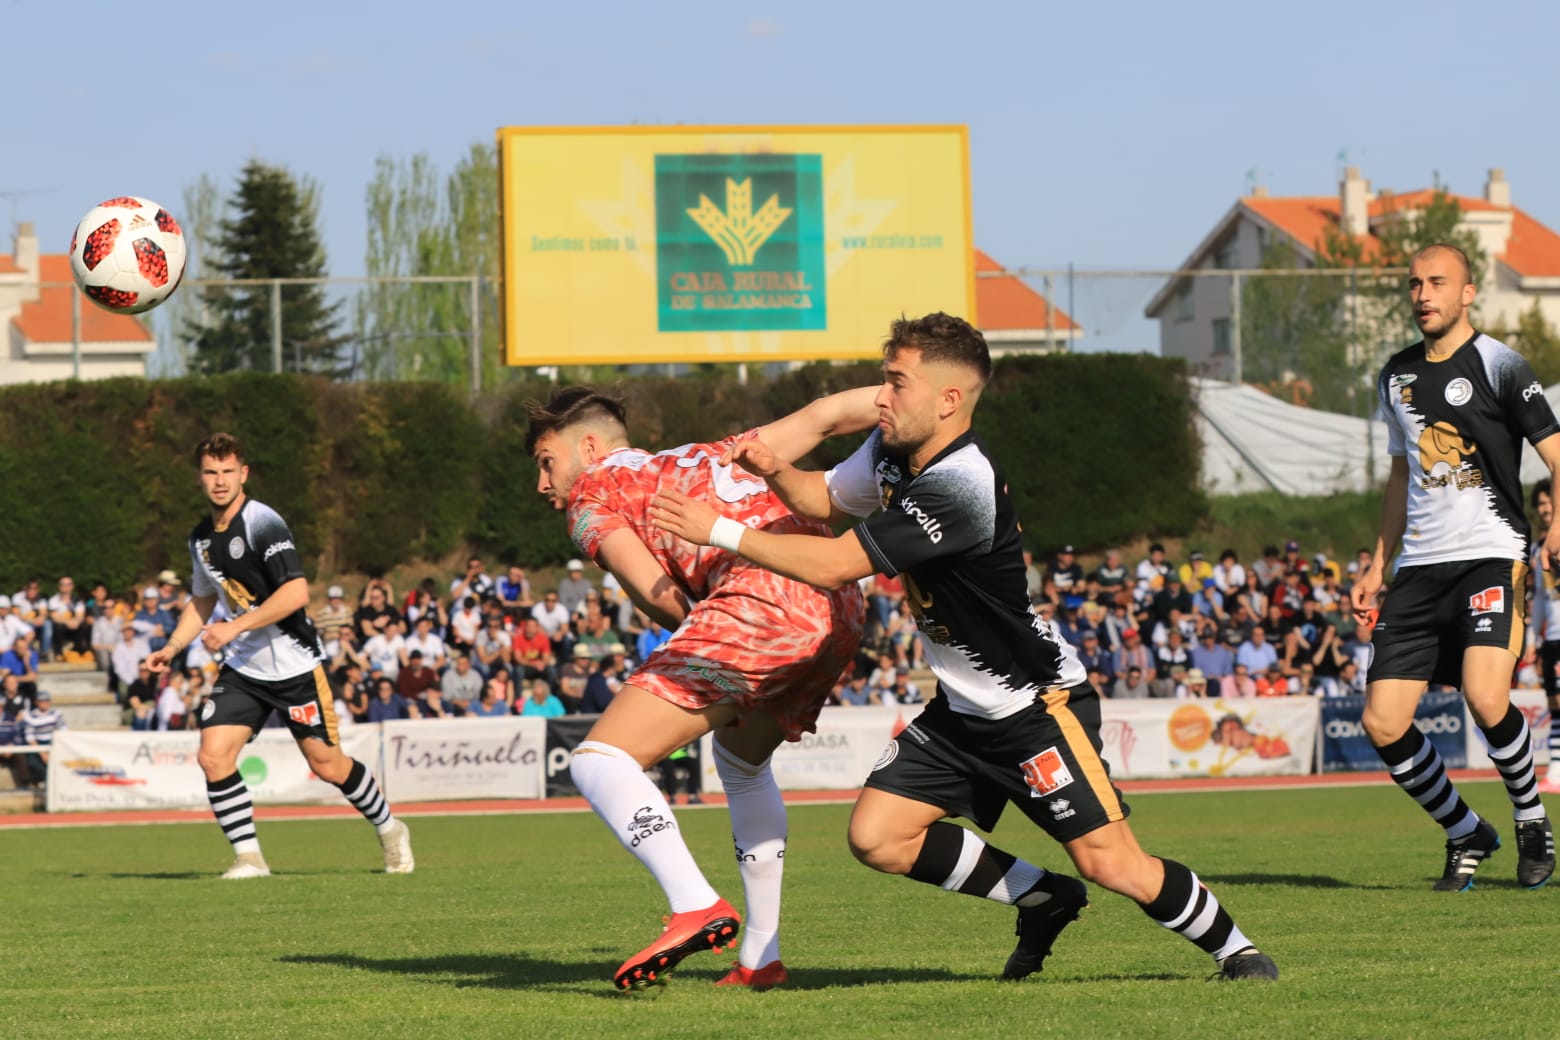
1102,135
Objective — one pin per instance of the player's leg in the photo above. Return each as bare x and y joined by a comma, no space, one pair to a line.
1171,895
758,833
229,796
1549,655
637,730
1487,686
360,788
897,827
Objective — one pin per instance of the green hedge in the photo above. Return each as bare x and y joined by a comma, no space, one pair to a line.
98,481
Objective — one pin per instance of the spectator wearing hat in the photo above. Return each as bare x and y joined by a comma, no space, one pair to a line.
1065,572
141,699
170,592
151,620
1133,654
1195,571
1213,658
1194,685
336,613
573,677
1097,660
125,659
1132,686
1294,560
902,690
22,661
39,724
574,587
1208,601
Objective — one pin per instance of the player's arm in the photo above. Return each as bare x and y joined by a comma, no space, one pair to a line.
771,451
1549,450
643,578
291,596
815,559
191,620
1394,520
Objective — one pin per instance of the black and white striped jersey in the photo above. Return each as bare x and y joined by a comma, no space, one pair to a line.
1460,422
951,532
242,564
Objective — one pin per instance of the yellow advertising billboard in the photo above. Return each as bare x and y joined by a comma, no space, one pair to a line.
627,245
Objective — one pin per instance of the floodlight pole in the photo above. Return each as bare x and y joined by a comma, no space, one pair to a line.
276,325
75,335
1237,372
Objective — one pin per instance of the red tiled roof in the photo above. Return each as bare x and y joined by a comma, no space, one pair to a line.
1533,250
48,319
1008,302
8,265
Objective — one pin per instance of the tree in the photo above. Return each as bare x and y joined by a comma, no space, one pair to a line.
1536,340
425,330
1335,331
271,232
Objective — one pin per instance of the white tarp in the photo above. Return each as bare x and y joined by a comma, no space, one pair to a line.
1255,442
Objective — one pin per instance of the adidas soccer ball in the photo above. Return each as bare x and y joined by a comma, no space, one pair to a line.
127,254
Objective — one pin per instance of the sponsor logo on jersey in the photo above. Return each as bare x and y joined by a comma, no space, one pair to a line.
1061,808
1046,773
210,707
888,477
236,547
1490,601
1403,380
886,759
1484,625
305,714
1532,390
276,547
1459,392
928,523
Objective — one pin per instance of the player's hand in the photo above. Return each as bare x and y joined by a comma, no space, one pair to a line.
1362,597
752,455
688,518
157,660
218,634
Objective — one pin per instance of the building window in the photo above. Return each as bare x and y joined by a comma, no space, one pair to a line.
1183,302
1224,256
1221,337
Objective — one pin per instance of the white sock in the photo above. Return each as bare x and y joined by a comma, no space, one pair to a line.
758,831
636,812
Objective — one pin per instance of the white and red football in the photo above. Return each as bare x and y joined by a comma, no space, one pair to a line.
127,254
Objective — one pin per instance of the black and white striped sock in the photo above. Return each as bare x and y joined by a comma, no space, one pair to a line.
1185,906
362,790
958,860
235,811
1417,768
1511,749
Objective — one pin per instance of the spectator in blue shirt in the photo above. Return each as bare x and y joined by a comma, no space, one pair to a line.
386,705
1211,657
541,703
652,637
1096,658
1256,653
152,620
22,661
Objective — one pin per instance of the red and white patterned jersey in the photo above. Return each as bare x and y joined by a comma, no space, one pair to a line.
616,491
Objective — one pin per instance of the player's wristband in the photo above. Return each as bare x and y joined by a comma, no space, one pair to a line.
726,534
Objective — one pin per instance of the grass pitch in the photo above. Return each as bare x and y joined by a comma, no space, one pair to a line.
512,925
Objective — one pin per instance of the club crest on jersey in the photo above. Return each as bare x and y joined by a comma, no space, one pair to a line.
1459,392
236,547
886,759
1490,601
888,477
305,714
1046,773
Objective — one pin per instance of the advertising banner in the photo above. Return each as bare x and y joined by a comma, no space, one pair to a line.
439,759
563,736
1534,706
1345,747
121,769
1254,736
838,756
728,243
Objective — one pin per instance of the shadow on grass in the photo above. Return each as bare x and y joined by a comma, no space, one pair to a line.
517,971
199,875
1291,880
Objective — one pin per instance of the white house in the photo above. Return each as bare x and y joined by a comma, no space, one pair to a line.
1195,314
36,315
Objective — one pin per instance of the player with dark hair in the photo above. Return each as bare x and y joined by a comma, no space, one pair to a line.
1458,405
245,560
1015,718
1546,629
752,657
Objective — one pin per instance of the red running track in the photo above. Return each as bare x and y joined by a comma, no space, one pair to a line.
499,807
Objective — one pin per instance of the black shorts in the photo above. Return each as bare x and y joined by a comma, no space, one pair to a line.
1434,612
1045,760
304,701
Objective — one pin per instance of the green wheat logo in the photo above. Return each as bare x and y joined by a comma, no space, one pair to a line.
739,231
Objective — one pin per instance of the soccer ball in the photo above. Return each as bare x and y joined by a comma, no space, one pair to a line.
127,254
